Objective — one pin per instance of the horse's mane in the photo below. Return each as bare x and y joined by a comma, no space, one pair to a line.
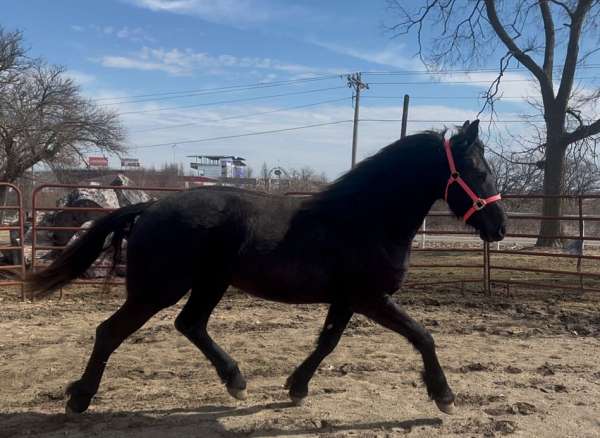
367,179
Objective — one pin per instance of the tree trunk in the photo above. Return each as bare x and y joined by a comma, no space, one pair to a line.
553,185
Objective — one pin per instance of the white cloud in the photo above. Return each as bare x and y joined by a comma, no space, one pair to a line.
220,11
80,77
184,62
513,84
391,56
135,34
137,64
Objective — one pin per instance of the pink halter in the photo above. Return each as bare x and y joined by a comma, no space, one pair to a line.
478,203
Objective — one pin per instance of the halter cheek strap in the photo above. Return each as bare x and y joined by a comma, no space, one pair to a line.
478,203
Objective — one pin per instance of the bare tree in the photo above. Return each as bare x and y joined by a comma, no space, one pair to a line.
44,118
11,55
581,174
531,33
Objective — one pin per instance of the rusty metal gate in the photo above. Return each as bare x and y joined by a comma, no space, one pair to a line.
8,246
37,210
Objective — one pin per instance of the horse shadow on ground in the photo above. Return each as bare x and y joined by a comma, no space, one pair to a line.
197,422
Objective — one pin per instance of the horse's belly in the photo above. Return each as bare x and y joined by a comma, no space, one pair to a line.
283,283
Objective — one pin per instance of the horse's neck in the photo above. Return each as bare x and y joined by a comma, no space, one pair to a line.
402,226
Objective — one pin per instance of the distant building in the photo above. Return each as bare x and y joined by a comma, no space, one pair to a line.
219,166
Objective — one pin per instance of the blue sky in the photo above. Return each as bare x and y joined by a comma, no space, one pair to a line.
119,49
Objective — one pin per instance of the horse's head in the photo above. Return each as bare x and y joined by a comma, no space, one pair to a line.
471,189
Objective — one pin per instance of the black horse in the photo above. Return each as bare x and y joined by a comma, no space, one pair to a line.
347,246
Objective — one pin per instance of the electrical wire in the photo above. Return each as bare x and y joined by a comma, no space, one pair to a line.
247,134
222,102
215,90
243,116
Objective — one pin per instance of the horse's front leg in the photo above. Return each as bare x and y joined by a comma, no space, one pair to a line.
335,323
388,314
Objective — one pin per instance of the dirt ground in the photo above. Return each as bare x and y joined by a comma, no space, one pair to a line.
525,365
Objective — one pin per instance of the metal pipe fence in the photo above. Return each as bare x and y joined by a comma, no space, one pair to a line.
511,263
9,246
35,228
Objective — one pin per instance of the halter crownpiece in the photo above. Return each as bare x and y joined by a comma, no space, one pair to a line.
478,203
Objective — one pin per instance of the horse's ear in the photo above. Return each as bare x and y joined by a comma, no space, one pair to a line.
465,125
472,131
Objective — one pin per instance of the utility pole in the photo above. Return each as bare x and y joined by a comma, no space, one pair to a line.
355,82
404,116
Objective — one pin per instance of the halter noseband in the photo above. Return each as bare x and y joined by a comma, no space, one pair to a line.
478,203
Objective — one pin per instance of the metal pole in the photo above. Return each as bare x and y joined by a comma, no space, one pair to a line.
355,125
404,116
424,231
355,82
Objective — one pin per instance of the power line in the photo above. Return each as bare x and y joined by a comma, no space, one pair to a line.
451,97
244,116
221,102
458,82
451,121
475,71
248,134
315,125
241,87
259,85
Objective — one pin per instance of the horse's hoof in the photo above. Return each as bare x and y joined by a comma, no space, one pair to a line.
297,401
70,410
447,408
236,393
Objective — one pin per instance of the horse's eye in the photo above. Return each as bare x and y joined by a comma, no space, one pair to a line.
481,176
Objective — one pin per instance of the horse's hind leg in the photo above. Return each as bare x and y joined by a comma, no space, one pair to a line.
192,322
335,323
109,335
385,312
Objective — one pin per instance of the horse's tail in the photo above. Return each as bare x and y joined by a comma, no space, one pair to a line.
80,254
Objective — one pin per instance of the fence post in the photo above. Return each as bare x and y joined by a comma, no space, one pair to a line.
22,244
581,244
424,228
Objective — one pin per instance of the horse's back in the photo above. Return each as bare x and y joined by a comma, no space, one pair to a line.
198,235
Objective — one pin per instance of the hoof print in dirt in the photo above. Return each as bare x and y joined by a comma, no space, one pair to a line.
524,408
505,426
513,370
519,408
476,366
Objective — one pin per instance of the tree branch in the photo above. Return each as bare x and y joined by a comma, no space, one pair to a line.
544,81
570,64
583,132
550,38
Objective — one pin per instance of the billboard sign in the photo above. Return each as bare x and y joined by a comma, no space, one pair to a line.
98,161
130,162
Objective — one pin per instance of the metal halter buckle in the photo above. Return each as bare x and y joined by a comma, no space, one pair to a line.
478,204
454,176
